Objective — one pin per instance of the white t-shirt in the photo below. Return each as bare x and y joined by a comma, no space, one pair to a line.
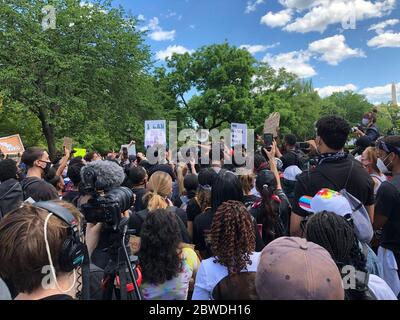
380,288
211,273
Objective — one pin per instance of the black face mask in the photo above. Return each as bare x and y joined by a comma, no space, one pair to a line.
46,168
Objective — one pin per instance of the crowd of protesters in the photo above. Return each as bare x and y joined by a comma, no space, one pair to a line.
310,221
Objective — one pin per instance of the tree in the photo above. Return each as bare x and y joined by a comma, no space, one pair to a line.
221,77
87,78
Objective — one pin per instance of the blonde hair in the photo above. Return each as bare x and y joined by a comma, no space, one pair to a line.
247,179
159,187
181,172
373,157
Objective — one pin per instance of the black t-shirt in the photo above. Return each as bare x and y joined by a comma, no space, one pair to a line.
388,205
71,196
139,192
137,218
192,210
38,189
202,233
333,175
58,297
289,159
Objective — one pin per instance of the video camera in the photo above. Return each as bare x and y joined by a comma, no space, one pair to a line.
105,205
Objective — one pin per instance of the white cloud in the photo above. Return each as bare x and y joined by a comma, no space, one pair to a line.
253,49
298,4
167,53
295,61
278,19
379,27
328,90
385,40
334,50
192,26
323,13
379,94
141,17
252,5
157,33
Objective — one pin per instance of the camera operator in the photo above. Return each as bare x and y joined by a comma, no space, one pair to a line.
37,252
101,181
335,170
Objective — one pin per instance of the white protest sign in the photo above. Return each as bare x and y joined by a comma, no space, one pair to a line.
155,132
131,149
238,134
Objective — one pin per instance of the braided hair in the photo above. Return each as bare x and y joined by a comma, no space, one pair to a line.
336,235
232,236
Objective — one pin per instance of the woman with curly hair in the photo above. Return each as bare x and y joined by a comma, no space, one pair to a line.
336,235
233,247
167,268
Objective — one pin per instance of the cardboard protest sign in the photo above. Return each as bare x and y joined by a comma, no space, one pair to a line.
155,132
67,143
79,152
11,144
238,134
271,124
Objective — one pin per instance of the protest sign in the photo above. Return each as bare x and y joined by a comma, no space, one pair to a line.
79,152
155,132
271,124
11,144
131,149
67,143
238,134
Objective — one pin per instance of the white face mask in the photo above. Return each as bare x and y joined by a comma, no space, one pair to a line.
382,167
365,122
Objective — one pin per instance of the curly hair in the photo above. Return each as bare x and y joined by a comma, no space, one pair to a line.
334,131
337,236
232,236
159,254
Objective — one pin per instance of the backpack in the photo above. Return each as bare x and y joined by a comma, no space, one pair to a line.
25,186
361,220
11,199
301,159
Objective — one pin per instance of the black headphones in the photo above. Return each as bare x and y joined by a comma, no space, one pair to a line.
73,251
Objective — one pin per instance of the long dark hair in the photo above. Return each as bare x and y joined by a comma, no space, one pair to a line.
159,247
226,187
337,236
266,186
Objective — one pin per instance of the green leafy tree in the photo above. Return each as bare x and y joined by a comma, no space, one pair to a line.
87,78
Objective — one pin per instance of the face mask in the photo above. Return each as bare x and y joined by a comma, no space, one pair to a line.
365,122
46,168
382,166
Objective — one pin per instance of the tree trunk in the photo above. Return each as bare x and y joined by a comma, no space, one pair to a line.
48,132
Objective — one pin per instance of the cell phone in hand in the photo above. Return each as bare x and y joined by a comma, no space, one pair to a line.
268,139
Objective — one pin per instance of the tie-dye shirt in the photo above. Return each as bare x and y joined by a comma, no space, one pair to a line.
178,287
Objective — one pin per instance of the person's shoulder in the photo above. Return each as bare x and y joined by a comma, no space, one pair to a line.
380,288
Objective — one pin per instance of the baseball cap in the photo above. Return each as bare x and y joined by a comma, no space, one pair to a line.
292,268
326,200
291,173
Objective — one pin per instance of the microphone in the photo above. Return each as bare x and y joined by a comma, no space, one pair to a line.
105,175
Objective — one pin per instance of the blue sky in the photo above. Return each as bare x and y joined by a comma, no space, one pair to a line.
309,37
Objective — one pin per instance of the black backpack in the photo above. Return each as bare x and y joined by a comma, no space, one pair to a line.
301,159
11,199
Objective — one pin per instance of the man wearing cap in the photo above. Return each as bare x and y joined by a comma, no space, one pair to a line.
291,268
387,220
335,170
